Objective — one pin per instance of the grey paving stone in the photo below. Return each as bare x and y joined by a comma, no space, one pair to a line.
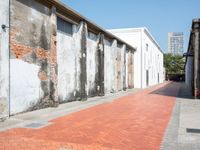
186,114
170,141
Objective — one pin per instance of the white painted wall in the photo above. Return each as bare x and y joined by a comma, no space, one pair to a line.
25,76
118,69
108,63
114,69
25,85
126,68
134,39
143,59
111,68
91,63
4,59
130,69
152,61
189,72
68,47
120,66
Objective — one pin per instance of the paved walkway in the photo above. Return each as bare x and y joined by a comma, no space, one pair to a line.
183,132
133,122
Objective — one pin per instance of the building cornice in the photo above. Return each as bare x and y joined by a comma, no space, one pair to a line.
76,17
131,30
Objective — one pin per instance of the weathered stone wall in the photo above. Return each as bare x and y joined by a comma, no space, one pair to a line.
118,67
108,70
130,69
121,67
68,48
114,66
92,68
196,30
100,65
4,59
48,66
33,62
192,65
189,72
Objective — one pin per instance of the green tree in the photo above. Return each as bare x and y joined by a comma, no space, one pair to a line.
174,64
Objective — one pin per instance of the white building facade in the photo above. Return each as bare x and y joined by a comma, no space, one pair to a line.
148,58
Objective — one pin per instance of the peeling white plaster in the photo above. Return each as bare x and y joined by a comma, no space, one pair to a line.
25,88
66,65
114,68
68,55
119,69
77,46
108,66
91,63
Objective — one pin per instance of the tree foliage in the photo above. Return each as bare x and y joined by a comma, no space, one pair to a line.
174,64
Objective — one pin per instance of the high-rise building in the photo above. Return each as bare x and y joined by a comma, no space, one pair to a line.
175,43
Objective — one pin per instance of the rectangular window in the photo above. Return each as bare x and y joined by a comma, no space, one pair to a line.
108,42
119,45
147,47
64,26
92,36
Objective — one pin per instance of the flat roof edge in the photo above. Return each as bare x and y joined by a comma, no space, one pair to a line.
59,4
139,29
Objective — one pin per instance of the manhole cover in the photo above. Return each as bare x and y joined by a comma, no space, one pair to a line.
192,130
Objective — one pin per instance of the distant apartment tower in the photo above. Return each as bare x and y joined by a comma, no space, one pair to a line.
175,43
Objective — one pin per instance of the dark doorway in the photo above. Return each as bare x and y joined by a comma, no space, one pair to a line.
147,78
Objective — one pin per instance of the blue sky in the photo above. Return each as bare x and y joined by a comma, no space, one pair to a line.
159,16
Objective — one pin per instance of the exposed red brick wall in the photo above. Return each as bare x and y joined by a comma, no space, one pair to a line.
22,51
42,75
41,53
196,93
53,69
18,49
53,51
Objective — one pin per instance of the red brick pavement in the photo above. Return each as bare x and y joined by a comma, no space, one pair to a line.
134,122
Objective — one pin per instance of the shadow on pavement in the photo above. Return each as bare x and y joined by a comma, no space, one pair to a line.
175,89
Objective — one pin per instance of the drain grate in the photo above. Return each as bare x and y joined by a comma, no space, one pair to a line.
192,130
35,125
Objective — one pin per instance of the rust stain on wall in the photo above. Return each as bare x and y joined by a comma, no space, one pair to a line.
20,50
118,63
42,75
53,70
130,69
42,53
